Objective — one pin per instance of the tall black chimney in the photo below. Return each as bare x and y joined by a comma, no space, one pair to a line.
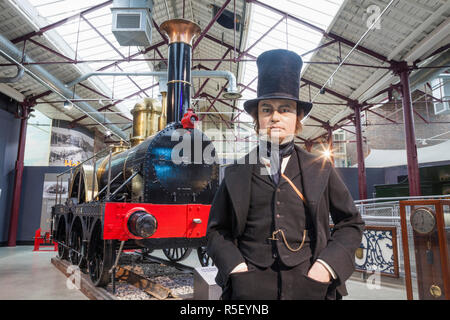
181,34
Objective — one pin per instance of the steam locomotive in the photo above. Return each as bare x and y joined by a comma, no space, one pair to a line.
140,197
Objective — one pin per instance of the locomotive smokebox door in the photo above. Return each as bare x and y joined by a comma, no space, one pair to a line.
175,168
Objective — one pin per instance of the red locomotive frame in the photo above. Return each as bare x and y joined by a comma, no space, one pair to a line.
174,221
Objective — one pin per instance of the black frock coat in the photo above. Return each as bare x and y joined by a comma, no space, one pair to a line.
325,193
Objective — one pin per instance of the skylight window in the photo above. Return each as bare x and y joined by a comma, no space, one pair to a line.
91,38
287,34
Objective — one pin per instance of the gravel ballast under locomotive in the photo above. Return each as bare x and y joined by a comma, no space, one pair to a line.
139,197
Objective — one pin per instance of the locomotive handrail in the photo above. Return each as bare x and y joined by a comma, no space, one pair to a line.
72,169
104,188
95,155
108,185
112,195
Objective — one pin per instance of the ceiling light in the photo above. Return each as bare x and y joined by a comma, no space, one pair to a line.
232,95
67,105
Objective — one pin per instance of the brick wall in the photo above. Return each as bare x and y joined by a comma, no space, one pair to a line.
383,134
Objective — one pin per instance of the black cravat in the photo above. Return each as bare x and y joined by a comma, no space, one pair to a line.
276,155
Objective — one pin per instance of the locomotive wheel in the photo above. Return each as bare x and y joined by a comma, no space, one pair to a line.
76,250
203,257
61,237
177,254
100,259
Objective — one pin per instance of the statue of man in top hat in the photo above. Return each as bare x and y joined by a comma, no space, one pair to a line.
269,230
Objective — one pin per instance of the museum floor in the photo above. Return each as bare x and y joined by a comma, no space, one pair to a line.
25,275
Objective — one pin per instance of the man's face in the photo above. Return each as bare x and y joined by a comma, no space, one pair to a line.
278,117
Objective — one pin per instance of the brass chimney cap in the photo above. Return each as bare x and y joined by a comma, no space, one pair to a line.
180,30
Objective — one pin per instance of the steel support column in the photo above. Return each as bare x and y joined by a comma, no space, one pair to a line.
17,189
408,118
308,145
330,142
362,184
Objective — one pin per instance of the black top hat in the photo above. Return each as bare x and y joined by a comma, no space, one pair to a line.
278,78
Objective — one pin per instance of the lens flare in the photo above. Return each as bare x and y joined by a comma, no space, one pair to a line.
327,153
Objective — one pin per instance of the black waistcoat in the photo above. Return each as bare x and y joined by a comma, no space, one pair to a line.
274,207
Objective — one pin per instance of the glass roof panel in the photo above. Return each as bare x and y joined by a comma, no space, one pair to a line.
55,10
299,39
91,38
91,44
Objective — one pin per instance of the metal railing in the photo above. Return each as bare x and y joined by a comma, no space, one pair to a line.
386,212
373,200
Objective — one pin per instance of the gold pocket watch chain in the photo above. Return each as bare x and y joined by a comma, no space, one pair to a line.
281,231
285,241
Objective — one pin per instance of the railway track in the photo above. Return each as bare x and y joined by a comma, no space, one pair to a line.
155,276
179,266
139,277
152,288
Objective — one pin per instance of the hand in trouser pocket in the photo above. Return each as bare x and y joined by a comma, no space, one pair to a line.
255,284
310,289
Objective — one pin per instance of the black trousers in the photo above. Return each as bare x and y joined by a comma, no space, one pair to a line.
277,282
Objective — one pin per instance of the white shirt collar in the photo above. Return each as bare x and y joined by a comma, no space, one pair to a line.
266,163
